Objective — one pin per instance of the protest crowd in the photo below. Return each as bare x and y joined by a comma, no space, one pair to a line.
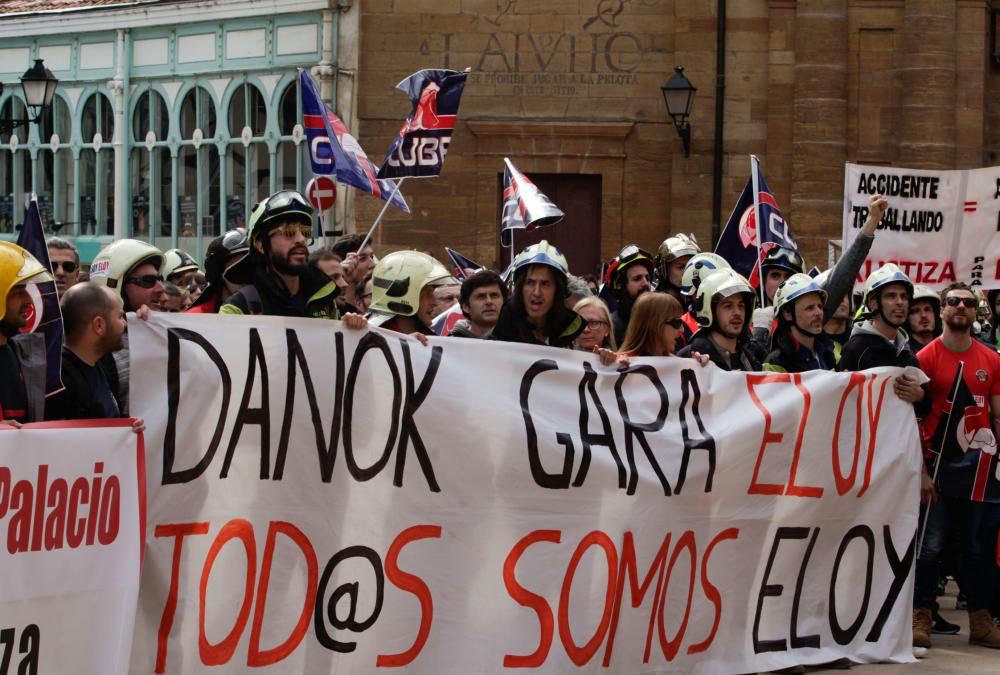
679,302
655,300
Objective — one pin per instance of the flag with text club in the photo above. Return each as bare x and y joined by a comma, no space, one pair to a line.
334,152
461,263
419,149
44,314
964,441
738,242
524,205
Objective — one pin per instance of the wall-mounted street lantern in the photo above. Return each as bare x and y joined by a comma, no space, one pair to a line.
678,94
39,85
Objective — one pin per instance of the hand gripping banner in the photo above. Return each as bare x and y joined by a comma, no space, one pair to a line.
333,501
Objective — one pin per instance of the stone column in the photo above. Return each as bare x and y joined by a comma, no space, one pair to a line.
927,138
819,124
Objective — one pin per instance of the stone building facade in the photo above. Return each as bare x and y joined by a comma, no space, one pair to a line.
570,91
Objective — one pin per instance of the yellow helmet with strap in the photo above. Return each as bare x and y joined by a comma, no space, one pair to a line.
17,266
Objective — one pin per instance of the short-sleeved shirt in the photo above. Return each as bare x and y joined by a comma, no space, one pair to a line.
981,375
13,394
87,393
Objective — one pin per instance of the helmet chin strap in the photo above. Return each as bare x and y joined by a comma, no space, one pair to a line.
807,332
885,318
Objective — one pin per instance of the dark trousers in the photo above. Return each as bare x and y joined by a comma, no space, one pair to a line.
978,524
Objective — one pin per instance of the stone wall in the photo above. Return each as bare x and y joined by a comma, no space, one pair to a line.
573,86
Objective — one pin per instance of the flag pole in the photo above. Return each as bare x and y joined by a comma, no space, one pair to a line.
940,451
756,220
388,201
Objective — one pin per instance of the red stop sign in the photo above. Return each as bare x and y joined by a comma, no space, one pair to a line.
321,192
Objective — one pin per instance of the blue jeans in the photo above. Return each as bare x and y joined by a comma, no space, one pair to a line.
978,524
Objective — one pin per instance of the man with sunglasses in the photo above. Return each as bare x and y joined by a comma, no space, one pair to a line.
968,484
65,261
278,278
132,269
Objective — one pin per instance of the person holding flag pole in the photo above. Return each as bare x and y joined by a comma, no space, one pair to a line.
420,147
334,152
960,432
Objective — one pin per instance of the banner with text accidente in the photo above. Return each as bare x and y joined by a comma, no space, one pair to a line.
940,227
331,501
70,542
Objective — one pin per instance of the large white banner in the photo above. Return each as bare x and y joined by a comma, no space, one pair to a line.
331,501
70,543
941,226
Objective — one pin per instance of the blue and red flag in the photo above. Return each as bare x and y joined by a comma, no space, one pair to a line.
461,264
420,147
525,207
964,447
334,152
44,315
742,243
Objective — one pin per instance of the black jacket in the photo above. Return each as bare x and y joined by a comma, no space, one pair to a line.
788,356
513,326
743,359
316,297
867,348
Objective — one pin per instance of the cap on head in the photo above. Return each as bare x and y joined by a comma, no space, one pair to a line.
177,261
672,248
783,258
17,266
699,266
882,277
793,288
399,277
723,284
542,253
281,207
628,256
117,260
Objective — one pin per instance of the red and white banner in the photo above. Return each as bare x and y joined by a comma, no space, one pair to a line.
941,226
332,501
71,502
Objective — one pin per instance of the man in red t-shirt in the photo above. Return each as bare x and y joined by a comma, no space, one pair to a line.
968,477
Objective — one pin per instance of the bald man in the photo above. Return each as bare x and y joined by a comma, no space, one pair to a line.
93,323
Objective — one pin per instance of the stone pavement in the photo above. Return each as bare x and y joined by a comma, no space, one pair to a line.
951,654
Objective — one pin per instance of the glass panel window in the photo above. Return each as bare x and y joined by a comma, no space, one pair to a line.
98,117
247,109
55,169
288,109
150,115
197,112
15,168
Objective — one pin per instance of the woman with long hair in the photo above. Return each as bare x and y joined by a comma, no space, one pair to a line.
597,331
653,327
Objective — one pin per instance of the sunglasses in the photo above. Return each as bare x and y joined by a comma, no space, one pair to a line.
145,281
289,230
594,324
67,265
968,303
676,324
